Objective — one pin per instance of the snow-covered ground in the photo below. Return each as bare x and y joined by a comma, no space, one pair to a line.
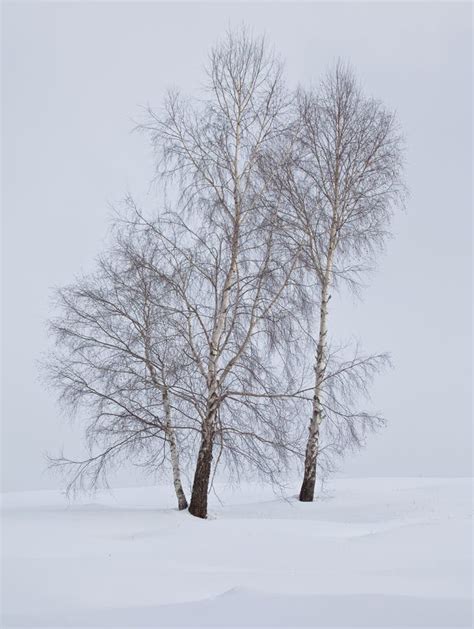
368,553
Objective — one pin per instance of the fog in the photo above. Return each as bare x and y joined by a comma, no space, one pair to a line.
75,77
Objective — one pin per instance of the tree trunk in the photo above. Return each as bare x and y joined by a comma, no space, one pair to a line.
202,475
171,436
178,487
311,455
198,506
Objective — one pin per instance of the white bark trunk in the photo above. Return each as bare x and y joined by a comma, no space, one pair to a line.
171,436
169,430
312,446
198,506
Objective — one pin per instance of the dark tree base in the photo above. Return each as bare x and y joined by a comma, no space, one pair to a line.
198,505
307,490
198,511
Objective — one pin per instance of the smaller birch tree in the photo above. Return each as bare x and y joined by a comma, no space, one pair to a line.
119,364
341,180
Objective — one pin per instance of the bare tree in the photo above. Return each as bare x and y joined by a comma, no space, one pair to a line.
118,357
191,336
341,181
241,274
256,388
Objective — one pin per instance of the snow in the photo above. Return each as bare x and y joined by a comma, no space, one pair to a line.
367,553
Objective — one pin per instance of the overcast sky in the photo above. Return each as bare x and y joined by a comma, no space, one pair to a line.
74,78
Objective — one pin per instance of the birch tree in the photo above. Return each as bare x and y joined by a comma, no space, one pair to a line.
250,429
341,181
211,148
119,360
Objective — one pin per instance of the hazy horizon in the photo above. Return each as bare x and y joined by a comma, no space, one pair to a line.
74,79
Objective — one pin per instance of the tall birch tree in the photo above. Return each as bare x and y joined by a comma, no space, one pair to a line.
342,182
212,147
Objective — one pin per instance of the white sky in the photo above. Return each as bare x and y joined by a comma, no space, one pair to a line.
74,78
